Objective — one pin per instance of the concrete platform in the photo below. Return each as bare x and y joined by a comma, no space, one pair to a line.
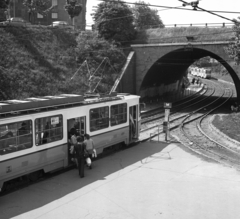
149,180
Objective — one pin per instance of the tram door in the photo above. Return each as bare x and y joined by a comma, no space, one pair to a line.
133,124
75,126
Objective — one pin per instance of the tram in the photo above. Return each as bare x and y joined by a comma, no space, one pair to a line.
200,72
34,132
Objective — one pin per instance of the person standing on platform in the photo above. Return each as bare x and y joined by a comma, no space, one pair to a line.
90,148
72,142
79,149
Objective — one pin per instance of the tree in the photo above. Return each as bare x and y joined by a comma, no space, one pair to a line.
3,9
73,9
4,4
233,49
145,17
98,51
203,62
114,21
42,7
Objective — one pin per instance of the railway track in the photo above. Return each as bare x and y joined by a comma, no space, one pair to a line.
153,124
197,135
194,130
158,112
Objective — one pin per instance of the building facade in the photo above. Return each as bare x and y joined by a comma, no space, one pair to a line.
58,13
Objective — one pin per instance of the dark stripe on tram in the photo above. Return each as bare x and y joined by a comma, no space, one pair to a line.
55,146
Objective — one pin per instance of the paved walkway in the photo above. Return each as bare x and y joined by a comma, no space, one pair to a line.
149,180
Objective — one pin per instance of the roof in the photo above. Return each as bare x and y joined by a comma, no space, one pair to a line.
50,102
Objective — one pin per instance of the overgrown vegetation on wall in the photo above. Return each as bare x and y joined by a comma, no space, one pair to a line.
179,34
35,61
41,61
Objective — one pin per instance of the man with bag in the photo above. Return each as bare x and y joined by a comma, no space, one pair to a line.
90,149
79,150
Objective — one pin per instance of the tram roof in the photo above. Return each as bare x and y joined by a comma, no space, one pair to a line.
39,103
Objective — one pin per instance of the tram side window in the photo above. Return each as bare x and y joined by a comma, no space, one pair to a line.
15,136
48,129
99,118
118,114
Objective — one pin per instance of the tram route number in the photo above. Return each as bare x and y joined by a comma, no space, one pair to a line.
54,120
167,105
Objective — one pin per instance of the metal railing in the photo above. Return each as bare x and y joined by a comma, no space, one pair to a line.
201,25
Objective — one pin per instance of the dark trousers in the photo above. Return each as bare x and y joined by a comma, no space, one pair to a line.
80,165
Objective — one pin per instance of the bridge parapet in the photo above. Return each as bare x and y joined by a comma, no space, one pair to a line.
181,44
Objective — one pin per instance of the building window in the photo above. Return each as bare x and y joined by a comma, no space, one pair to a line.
48,129
54,15
39,15
99,118
15,136
54,2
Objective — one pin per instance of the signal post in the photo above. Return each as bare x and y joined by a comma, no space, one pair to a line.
167,107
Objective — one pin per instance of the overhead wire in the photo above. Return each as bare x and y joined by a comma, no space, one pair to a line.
211,12
168,7
131,41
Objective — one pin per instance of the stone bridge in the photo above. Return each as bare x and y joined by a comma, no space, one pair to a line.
151,64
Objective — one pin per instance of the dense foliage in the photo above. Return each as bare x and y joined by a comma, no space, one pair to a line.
145,17
4,4
37,61
233,49
216,67
114,21
103,58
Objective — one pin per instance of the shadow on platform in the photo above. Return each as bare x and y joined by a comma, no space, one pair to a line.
69,184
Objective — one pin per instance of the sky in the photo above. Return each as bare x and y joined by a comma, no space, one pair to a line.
175,16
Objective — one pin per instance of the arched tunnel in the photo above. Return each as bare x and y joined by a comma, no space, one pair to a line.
173,66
